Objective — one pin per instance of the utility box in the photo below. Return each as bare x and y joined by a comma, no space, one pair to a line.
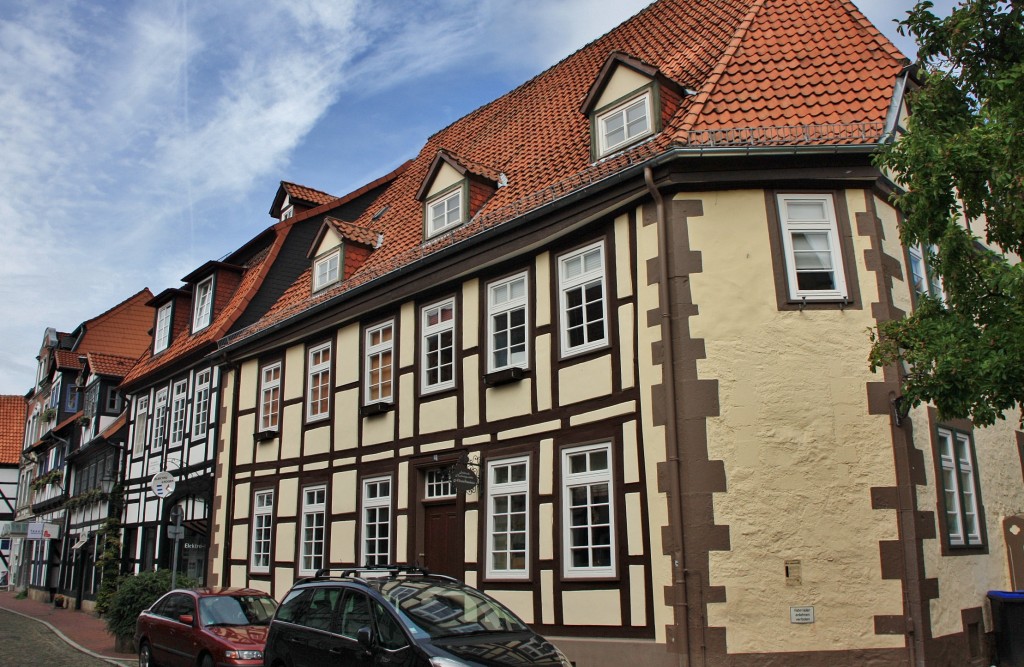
1008,623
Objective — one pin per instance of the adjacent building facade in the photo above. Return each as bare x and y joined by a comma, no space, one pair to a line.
12,431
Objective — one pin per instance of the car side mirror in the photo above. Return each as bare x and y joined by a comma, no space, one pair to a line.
364,636
187,619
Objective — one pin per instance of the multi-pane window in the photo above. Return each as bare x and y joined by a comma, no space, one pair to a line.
926,280
201,404
507,323
587,511
959,487
508,517
582,293
270,397
113,403
314,519
162,331
141,421
203,305
624,124
439,484
318,386
92,395
439,346
810,237
159,418
444,212
376,521
262,526
179,402
326,270
379,359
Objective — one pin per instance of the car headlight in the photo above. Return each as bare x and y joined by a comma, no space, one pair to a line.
446,662
243,655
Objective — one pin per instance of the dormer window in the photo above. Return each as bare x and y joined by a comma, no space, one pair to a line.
624,124
287,213
444,212
326,269
162,332
203,305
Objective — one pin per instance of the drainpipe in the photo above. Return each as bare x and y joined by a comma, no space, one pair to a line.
675,477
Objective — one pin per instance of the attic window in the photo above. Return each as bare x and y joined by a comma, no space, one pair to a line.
162,332
326,269
203,305
287,213
624,124
444,211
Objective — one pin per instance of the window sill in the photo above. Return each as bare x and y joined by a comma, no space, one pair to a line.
505,376
378,408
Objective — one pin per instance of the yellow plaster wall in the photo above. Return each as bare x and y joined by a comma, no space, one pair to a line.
346,361
470,314
545,395
318,441
593,607
330,241
291,430
520,602
346,412
439,415
586,380
445,177
248,376
245,451
509,400
622,82
800,451
542,270
407,335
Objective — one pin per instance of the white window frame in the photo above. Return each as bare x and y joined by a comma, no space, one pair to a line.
960,490
441,208
327,269
826,226
499,493
179,412
313,530
581,281
159,419
923,278
620,111
376,353
590,479
438,485
501,303
262,530
203,305
201,404
376,515
436,332
141,421
113,400
162,329
270,397
318,378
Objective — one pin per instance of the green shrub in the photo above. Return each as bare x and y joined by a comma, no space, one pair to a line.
134,594
22,594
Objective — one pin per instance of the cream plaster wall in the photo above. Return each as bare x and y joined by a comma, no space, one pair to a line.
248,375
293,382
344,488
318,441
800,451
520,602
343,540
542,270
246,450
346,361
407,335
622,82
291,430
346,411
221,483
545,392
445,177
470,314
586,380
509,400
595,607
471,390
439,415
330,241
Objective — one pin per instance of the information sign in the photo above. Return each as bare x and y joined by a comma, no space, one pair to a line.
801,615
162,484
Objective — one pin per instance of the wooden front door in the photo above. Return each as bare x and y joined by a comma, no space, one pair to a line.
444,539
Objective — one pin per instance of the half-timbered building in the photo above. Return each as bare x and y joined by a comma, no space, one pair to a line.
175,389
12,432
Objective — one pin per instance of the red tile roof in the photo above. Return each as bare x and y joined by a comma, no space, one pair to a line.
67,360
354,233
110,365
763,72
302,193
123,330
12,428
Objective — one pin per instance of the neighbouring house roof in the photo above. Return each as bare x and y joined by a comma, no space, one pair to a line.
757,73
110,365
299,194
262,251
123,330
12,428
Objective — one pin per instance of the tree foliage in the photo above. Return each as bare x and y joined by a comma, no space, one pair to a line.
136,593
962,159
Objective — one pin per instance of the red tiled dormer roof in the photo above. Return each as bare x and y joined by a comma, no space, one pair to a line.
12,428
110,365
759,68
303,193
354,233
67,360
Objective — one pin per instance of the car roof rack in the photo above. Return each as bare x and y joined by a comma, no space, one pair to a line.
373,572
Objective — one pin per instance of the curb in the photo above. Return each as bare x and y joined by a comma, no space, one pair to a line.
72,643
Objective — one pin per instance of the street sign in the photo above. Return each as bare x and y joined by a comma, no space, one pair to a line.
162,484
42,531
175,532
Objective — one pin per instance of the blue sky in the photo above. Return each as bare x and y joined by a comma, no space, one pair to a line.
141,139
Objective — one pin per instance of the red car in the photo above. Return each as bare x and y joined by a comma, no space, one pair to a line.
205,627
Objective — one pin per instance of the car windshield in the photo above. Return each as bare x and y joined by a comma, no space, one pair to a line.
236,609
442,609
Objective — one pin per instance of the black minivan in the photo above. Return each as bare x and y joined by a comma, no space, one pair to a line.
399,616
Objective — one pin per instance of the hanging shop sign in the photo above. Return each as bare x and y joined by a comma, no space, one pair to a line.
462,475
162,484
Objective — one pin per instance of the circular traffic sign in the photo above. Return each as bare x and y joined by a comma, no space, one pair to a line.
162,484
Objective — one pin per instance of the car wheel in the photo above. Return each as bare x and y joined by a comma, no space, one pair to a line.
146,655
207,661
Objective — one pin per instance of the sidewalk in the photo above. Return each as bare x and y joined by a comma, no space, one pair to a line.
82,630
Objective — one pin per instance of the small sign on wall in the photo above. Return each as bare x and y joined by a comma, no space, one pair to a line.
801,614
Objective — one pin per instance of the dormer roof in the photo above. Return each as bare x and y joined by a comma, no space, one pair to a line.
618,59
465,167
346,231
209,268
298,194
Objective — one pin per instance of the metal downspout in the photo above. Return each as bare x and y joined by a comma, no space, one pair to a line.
675,477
